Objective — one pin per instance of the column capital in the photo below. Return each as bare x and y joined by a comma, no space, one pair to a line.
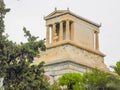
61,21
67,20
54,23
47,25
96,31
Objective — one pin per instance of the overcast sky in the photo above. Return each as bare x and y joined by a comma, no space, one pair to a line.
30,13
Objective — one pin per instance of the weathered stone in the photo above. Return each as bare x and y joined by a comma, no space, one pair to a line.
72,45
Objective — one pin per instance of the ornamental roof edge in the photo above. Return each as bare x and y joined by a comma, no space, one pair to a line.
63,12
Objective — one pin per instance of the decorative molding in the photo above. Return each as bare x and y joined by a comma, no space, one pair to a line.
64,12
64,42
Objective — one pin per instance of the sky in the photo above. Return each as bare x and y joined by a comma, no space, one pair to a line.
30,13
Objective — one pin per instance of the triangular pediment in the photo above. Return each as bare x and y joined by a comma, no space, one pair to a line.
61,12
56,13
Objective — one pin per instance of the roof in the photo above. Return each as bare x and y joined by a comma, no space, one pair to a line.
58,13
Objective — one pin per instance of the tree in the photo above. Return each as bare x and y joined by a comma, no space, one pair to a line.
3,40
16,60
71,80
113,83
96,80
21,74
117,68
55,86
99,80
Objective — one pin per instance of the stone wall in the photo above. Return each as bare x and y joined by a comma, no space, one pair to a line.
68,58
54,71
75,54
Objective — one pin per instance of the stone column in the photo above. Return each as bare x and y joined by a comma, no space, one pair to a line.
61,31
53,32
67,30
72,31
97,41
47,35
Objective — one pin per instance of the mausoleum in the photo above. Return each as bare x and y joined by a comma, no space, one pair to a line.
72,44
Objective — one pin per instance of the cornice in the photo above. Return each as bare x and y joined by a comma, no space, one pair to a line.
76,45
64,12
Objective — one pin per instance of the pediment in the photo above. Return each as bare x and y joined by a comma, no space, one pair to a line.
61,12
55,13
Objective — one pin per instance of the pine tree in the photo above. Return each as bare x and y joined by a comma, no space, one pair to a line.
3,40
16,60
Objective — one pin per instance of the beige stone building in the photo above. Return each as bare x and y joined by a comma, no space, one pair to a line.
72,44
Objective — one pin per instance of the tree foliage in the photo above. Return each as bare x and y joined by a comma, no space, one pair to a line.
117,68
55,86
16,59
113,83
3,40
70,80
20,74
95,80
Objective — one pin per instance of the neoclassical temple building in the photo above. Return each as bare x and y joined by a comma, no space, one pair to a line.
72,44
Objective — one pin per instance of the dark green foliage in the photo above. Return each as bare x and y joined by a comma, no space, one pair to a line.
25,77
3,11
7,55
20,72
4,42
16,61
30,38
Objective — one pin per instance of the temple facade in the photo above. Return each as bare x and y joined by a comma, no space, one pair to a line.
72,44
